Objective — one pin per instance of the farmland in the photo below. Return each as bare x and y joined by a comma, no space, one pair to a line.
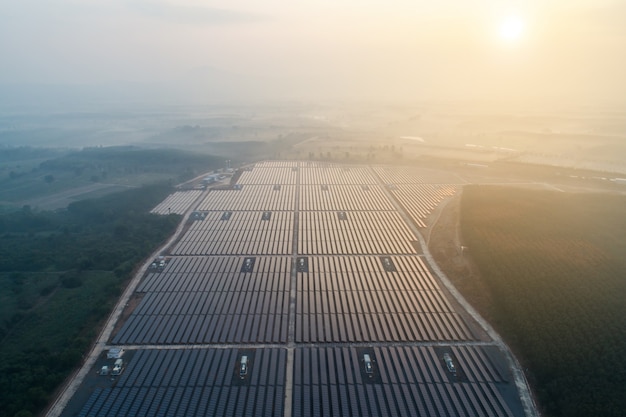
555,269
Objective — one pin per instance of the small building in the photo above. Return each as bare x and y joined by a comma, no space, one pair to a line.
115,353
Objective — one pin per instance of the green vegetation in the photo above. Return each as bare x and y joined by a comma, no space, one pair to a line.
31,174
555,266
60,275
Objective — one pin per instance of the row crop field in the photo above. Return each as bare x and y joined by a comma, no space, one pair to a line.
555,265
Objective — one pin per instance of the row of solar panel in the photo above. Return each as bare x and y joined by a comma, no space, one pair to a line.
371,264
186,402
250,198
203,367
410,175
418,201
336,175
354,247
243,220
399,327
427,400
404,381
347,302
273,175
270,264
329,272
199,329
361,221
217,281
213,303
343,197
365,281
177,203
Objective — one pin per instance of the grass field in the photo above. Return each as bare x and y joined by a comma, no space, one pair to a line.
555,268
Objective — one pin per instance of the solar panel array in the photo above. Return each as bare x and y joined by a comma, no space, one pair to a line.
343,198
177,203
405,381
362,232
250,197
419,200
211,300
243,233
194,382
343,299
303,268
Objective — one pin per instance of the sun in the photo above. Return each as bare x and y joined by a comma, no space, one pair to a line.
511,29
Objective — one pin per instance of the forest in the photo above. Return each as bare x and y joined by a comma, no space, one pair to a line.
555,268
61,276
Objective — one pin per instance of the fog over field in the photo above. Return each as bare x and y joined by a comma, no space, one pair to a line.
359,187
542,79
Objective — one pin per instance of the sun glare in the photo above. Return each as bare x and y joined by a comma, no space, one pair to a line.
511,29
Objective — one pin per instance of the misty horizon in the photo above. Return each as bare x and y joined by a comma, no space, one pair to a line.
232,52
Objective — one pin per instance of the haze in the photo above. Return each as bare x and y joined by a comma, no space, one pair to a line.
212,51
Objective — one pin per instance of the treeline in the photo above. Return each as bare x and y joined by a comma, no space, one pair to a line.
555,267
132,160
60,274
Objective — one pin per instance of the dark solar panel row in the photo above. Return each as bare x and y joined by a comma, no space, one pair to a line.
335,175
419,201
201,367
241,220
214,401
224,264
413,382
343,197
330,273
207,303
250,198
176,329
363,232
244,233
400,327
276,280
268,176
412,175
366,301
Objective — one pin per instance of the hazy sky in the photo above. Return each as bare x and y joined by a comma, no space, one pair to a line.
571,49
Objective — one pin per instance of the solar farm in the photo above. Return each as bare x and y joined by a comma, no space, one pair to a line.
303,290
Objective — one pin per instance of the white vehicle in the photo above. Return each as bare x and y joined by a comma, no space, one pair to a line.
117,367
449,363
104,370
243,367
369,368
